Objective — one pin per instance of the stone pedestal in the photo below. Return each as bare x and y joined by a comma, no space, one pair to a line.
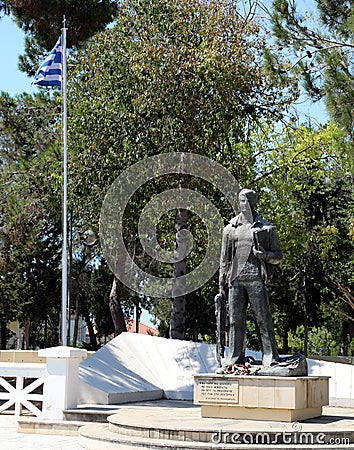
61,380
284,399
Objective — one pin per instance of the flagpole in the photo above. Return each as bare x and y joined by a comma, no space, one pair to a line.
64,281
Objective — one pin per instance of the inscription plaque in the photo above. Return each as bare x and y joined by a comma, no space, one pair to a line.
211,390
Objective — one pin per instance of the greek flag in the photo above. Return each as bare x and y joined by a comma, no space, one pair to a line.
50,71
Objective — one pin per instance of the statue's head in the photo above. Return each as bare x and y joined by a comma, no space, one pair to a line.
247,196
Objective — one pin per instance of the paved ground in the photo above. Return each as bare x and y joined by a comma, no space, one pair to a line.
173,414
11,440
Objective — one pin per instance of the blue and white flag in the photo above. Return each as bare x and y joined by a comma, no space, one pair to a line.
50,71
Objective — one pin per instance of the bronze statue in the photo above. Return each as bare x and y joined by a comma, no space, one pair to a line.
250,251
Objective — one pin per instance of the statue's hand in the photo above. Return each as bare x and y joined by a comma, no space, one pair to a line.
260,254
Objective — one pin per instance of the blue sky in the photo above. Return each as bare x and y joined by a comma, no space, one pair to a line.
12,41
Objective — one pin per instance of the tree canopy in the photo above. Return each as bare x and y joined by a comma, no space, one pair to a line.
183,76
30,219
190,76
42,22
321,44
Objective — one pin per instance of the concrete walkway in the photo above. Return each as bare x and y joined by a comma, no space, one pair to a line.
179,415
11,440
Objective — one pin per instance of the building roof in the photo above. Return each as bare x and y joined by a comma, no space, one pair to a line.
143,329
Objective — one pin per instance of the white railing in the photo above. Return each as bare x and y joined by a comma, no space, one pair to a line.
18,381
44,390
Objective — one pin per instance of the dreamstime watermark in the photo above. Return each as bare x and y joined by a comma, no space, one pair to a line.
115,204
295,436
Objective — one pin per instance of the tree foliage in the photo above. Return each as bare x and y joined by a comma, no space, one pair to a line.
30,208
189,76
321,48
183,76
42,22
31,226
310,192
44,19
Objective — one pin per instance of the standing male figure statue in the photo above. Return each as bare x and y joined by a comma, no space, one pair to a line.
250,250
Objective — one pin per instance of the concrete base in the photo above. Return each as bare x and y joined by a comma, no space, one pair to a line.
177,425
276,414
285,399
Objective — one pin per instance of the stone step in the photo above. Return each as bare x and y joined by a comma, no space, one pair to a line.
73,420
99,436
33,425
246,436
98,413
185,424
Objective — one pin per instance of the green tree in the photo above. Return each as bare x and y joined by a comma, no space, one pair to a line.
42,22
101,281
182,76
320,341
321,49
30,222
309,191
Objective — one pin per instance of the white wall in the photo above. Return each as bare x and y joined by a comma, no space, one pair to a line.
132,366
341,383
135,367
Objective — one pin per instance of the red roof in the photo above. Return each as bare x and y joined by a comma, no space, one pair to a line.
143,329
